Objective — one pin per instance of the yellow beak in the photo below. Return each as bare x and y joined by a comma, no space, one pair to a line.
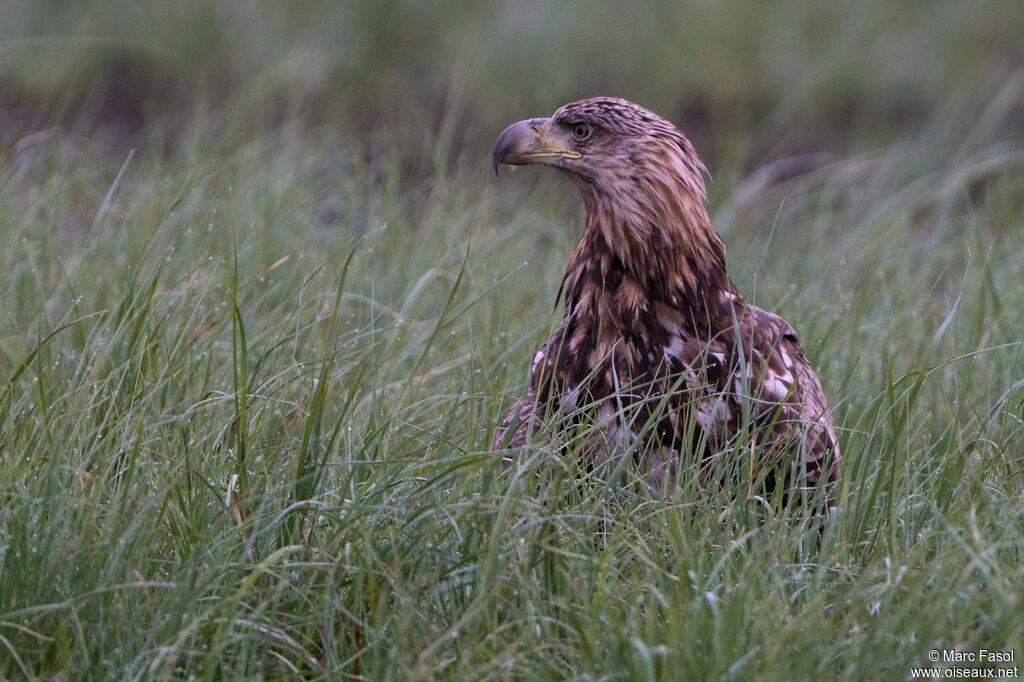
532,141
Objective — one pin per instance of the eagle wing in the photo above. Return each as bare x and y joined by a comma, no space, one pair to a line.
523,420
710,385
793,399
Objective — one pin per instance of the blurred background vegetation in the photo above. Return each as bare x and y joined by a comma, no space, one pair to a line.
748,82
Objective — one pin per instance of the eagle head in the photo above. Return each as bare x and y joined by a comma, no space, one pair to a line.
607,146
641,183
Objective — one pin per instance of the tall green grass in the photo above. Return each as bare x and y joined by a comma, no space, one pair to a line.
248,396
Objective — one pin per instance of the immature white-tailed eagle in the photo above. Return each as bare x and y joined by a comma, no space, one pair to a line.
657,344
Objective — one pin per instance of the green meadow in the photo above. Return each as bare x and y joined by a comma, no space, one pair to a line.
264,303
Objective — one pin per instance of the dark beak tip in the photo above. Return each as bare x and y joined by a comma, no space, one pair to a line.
509,142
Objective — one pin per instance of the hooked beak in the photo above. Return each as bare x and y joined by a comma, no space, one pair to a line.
531,141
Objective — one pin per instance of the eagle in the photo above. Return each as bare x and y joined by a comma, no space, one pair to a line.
657,346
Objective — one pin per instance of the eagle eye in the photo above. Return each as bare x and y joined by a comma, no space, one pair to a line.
580,131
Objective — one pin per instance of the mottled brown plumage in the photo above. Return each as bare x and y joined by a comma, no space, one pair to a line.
654,328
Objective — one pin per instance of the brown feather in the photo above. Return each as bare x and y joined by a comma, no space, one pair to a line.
651,316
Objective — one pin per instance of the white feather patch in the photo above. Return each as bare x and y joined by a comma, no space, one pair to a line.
775,389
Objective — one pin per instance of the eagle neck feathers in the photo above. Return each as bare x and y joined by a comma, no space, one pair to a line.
648,242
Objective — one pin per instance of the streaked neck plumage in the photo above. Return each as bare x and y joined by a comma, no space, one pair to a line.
652,231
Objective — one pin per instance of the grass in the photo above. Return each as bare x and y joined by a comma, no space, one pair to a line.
250,373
